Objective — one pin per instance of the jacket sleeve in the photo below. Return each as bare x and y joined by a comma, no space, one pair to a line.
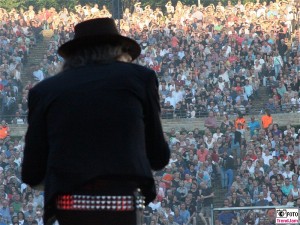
158,151
36,148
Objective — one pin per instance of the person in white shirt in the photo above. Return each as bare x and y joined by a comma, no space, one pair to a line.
248,89
177,94
288,17
227,49
164,51
181,53
260,59
170,9
38,74
288,173
217,135
221,84
95,9
172,85
39,217
250,167
266,49
170,99
278,63
239,6
224,75
155,205
266,157
257,67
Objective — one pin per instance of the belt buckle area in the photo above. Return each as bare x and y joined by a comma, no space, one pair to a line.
101,202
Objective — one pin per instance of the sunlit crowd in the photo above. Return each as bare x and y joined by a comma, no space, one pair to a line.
210,62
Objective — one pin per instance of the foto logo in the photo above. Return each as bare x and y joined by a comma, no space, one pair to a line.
287,216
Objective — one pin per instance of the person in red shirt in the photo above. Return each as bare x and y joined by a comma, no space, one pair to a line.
167,178
4,131
267,119
240,121
202,154
174,41
232,58
179,82
156,66
215,156
250,155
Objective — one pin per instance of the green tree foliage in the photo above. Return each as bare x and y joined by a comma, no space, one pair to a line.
9,4
69,4
129,4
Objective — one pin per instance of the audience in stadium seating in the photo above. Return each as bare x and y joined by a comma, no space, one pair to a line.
210,62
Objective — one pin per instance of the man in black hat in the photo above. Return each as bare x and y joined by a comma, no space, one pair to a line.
89,175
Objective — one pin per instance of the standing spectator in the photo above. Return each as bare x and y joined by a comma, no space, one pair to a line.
282,49
248,89
167,111
206,197
266,120
240,120
253,126
278,63
226,217
227,166
211,121
236,138
4,131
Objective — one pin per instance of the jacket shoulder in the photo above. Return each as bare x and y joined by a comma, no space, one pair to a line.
48,82
142,69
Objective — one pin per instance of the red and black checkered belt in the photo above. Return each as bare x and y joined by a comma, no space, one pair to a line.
101,202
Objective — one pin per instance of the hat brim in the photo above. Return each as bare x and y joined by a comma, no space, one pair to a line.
69,48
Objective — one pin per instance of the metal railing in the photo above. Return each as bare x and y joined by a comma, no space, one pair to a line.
186,114
245,208
12,119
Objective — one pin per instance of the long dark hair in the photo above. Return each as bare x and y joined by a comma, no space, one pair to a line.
93,55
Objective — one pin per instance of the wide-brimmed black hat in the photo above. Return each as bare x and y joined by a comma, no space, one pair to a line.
98,32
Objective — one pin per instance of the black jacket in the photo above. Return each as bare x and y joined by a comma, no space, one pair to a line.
228,163
94,121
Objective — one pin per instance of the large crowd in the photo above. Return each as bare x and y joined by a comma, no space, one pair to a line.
210,62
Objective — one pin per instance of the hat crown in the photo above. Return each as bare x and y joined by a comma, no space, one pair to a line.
96,27
95,32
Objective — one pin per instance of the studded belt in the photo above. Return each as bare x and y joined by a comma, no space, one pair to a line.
101,202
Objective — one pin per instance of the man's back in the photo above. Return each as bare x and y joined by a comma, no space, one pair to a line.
91,122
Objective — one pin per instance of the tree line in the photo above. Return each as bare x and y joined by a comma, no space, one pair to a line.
70,4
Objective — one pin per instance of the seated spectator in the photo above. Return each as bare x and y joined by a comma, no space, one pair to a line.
287,187
210,122
261,201
167,111
38,74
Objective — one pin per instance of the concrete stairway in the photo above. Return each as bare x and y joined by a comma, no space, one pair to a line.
219,194
35,57
259,101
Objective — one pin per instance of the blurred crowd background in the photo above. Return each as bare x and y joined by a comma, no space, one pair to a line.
211,61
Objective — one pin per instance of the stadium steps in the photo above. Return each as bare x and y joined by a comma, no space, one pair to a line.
35,57
219,197
259,101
